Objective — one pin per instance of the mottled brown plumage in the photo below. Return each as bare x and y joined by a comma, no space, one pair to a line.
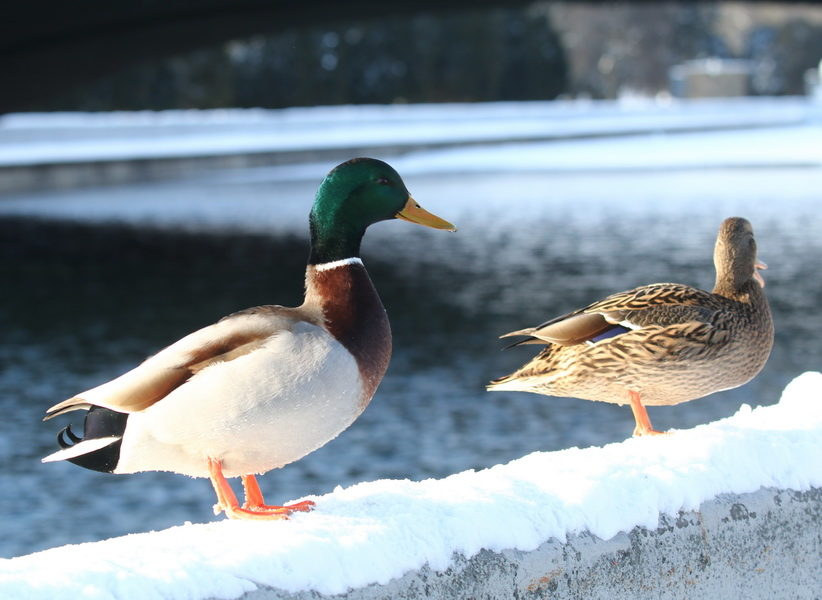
669,343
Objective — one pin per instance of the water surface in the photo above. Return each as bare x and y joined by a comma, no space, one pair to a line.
125,271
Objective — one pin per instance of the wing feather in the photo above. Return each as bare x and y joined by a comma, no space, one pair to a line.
659,304
159,375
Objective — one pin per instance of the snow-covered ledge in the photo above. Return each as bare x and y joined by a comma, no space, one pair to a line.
728,509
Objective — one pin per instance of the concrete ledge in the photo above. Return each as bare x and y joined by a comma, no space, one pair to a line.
765,544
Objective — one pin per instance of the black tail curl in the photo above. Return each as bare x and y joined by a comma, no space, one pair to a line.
67,432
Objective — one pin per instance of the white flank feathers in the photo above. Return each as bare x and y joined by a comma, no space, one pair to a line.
285,398
255,413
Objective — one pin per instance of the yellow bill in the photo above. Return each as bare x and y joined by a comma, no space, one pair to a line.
414,213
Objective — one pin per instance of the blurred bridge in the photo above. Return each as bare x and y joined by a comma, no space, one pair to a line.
48,45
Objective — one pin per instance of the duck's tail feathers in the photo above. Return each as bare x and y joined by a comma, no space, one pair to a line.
502,383
526,331
99,447
75,451
65,406
528,340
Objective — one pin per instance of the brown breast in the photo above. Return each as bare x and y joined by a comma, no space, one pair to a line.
353,313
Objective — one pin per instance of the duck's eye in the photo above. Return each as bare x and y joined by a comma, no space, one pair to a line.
383,181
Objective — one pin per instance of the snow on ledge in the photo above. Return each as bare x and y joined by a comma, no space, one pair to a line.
376,531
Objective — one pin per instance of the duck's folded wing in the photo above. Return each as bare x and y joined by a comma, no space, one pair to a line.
159,375
571,330
685,341
659,304
657,294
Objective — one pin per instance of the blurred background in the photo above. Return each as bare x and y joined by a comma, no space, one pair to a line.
158,161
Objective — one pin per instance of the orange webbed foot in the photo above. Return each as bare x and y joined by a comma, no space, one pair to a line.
255,502
304,506
266,512
254,507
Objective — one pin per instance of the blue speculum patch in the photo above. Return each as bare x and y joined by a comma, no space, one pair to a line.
609,333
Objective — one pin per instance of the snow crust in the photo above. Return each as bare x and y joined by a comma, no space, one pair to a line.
49,138
376,531
715,137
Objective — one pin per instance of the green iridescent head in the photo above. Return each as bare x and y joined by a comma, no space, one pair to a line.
354,195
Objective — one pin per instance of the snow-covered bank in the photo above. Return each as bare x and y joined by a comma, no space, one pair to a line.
378,531
53,138
757,546
69,150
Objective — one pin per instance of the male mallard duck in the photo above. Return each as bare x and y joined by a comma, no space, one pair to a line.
660,344
265,386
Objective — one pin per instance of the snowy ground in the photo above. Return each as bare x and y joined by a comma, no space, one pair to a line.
376,531
651,140
27,139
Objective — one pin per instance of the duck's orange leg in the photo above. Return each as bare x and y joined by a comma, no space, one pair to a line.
227,500
643,421
254,499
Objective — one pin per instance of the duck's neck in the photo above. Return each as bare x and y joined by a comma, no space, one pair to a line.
334,249
342,293
749,292
333,239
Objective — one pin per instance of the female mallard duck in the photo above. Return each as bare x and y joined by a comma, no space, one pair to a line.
659,344
265,386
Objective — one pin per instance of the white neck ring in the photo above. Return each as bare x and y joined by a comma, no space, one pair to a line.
335,264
